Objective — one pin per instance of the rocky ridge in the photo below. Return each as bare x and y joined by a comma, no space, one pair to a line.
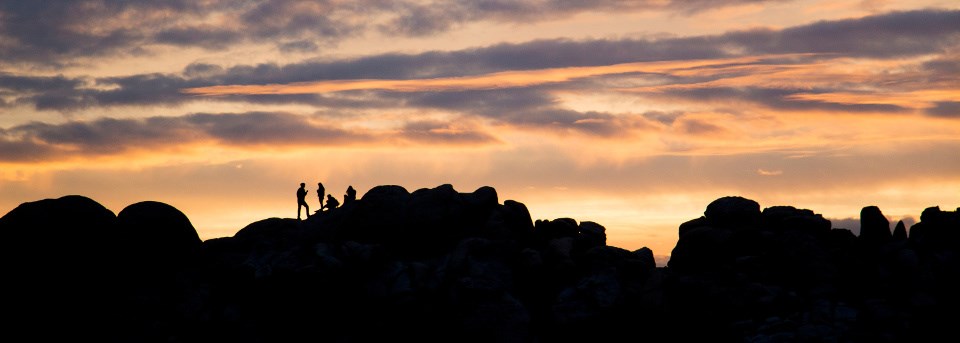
440,265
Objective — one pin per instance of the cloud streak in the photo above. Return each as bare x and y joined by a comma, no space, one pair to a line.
507,79
799,69
36,141
52,32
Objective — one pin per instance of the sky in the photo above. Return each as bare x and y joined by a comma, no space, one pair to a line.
632,114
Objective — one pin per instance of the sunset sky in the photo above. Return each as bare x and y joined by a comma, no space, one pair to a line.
632,114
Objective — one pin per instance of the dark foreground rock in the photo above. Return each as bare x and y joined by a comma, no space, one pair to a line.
443,266
784,274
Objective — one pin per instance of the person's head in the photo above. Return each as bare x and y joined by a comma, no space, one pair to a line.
302,184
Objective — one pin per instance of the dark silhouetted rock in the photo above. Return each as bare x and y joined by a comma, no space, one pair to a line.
159,234
645,256
59,258
701,249
546,230
693,224
515,221
70,222
874,227
732,211
437,265
790,277
900,232
791,218
592,235
938,229
484,197
67,237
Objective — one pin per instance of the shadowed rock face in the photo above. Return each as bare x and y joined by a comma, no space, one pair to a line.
59,259
732,212
70,221
157,234
900,232
785,275
874,227
67,237
440,265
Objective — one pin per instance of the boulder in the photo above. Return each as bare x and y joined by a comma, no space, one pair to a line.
874,227
900,232
517,220
937,229
72,234
693,224
70,222
546,230
701,249
379,216
645,256
733,211
791,218
592,235
158,234
59,258
484,198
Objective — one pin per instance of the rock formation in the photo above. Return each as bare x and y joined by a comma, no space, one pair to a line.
440,265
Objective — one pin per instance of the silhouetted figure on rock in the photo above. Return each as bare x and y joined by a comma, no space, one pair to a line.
350,196
320,193
332,203
302,200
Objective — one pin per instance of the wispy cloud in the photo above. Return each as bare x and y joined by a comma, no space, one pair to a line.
791,69
507,79
37,142
764,172
53,32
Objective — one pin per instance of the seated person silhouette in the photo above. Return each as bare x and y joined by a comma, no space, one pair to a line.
332,202
302,200
350,196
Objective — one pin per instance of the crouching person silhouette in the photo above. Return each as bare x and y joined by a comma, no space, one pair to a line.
302,200
332,202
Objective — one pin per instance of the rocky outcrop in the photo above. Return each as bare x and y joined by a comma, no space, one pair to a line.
874,227
441,265
900,232
429,265
158,235
784,274
732,212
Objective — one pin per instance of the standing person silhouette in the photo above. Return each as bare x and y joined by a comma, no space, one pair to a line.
302,200
350,196
320,193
